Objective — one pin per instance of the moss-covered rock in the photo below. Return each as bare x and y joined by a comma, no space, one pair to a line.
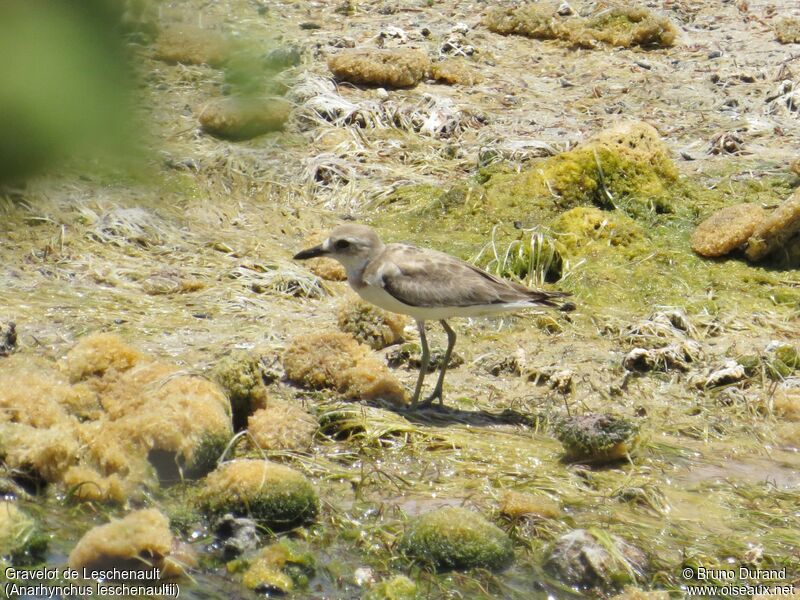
398,587
456,538
242,376
22,541
275,495
597,437
279,568
371,325
594,559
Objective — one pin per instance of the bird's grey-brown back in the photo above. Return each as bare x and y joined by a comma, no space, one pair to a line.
426,278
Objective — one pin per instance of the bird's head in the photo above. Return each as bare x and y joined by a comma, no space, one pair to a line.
351,245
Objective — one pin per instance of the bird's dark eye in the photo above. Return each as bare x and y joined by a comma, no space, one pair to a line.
342,244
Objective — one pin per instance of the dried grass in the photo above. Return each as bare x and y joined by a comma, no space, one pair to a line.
787,30
455,72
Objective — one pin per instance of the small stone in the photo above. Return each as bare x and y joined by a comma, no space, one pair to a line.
579,558
382,94
597,438
237,534
8,338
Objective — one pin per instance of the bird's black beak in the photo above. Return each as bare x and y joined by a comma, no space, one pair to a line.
310,253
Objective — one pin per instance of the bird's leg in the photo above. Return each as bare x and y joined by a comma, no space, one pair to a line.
451,342
423,367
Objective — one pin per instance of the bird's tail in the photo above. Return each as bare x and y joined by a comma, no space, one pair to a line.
549,299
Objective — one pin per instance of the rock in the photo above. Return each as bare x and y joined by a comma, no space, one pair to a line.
21,540
516,505
336,361
283,58
279,568
397,68
191,45
727,229
730,372
371,325
276,496
456,538
675,356
141,540
8,338
597,437
238,535
774,231
594,559
398,587
282,426
243,376
244,118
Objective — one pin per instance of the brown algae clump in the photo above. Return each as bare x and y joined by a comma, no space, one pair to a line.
190,45
456,538
244,118
282,426
141,540
628,26
537,20
727,229
623,26
397,68
597,437
336,361
106,418
21,539
594,559
371,325
773,233
275,495
787,30
279,569
455,72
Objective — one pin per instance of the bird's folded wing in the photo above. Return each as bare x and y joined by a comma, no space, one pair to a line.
426,278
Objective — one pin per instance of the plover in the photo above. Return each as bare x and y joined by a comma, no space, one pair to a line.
424,284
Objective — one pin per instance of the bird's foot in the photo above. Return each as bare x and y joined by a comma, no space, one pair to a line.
437,393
